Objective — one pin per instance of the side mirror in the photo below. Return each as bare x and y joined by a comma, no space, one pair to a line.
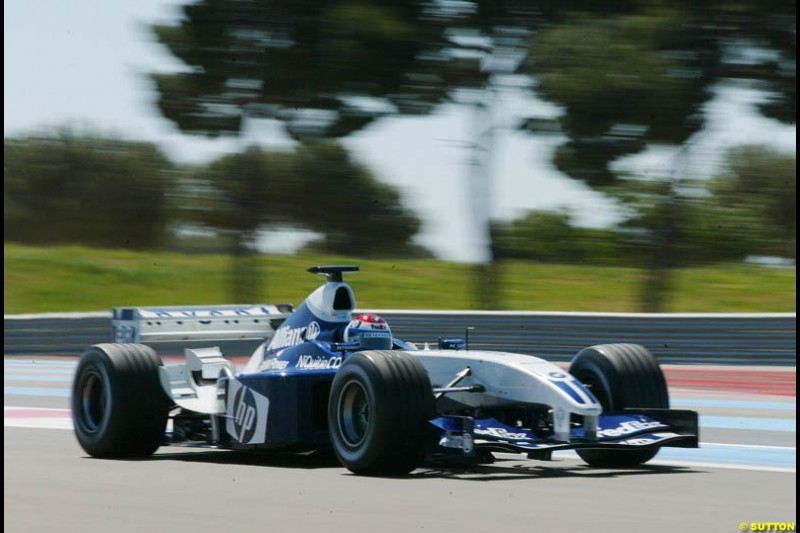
452,344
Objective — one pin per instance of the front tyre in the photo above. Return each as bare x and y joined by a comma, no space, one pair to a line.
378,412
621,376
118,406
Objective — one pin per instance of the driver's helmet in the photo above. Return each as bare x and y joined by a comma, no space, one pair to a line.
370,331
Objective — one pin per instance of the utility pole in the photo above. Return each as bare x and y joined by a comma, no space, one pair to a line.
504,58
480,192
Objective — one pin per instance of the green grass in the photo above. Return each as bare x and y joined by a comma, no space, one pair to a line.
82,279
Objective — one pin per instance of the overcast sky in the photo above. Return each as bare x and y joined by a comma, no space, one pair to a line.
84,63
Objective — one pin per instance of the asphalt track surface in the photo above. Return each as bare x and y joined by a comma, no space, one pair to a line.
745,471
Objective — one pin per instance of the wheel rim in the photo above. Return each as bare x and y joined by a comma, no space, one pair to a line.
353,412
93,402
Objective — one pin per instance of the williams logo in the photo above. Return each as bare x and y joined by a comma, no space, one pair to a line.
247,412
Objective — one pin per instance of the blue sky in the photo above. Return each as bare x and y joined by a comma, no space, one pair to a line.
84,63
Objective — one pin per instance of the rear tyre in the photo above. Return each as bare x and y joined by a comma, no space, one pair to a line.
378,412
118,406
620,376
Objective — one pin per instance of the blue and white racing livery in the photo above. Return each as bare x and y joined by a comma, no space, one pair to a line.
311,386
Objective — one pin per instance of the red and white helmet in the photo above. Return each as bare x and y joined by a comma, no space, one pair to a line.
371,332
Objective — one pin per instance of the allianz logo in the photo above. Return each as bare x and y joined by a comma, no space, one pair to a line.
286,336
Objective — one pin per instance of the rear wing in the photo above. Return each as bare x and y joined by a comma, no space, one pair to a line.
197,323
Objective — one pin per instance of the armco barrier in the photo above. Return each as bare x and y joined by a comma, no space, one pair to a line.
764,339
54,333
761,339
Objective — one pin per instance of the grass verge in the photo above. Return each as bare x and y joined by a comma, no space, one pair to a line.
49,279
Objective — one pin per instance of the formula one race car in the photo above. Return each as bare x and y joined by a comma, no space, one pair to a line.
323,380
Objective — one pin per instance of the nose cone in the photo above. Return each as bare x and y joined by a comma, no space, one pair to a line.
581,398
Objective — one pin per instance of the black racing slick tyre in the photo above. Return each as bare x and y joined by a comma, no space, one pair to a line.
119,408
378,412
621,376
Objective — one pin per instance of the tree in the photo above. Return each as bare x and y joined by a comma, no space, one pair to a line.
761,186
759,41
71,187
625,81
747,210
636,74
341,199
317,187
325,69
549,236
628,75
238,194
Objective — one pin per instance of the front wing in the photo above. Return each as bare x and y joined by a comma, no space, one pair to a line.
641,428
